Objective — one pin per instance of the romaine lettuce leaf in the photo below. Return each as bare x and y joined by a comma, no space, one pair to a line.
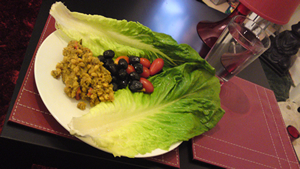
185,102
100,33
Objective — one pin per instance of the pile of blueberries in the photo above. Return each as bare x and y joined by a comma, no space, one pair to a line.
121,76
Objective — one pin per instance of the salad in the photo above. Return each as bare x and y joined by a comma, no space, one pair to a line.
184,104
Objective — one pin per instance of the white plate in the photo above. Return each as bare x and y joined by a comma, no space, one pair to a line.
51,90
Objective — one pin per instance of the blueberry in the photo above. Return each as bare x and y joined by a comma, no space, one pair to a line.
123,83
134,59
122,74
135,86
113,69
114,79
108,62
109,54
115,86
134,76
138,68
101,58
122,64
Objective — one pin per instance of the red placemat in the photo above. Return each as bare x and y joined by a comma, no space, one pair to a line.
29,109
251,134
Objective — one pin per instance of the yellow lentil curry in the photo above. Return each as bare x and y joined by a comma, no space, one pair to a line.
84,76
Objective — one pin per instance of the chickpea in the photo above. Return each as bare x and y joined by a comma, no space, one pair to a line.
100,93
101,98
107,90
106,96
59,66
73,61
89,66
76,69
79,51
96,67
81,64
105,84
56,73
81,105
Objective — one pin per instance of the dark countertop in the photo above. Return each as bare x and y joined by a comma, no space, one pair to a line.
27,145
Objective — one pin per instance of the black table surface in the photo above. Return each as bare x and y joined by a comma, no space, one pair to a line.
22,146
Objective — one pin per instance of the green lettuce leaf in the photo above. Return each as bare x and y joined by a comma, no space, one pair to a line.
100,33
185,102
